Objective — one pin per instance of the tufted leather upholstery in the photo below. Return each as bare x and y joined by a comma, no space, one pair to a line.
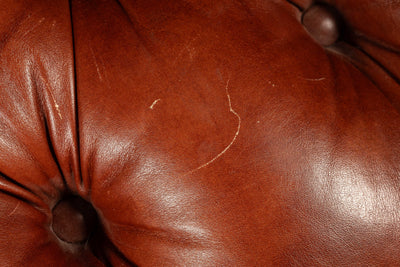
199,133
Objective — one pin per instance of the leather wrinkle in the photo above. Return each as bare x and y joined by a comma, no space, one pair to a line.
100,245
39,101
349,52
36,80
135,27
76,111
90,163
110,245
163,234
299,8
379,44
39,95
18,195
122,256
51,148
388,72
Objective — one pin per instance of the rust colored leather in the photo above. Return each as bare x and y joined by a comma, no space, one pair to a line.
201,132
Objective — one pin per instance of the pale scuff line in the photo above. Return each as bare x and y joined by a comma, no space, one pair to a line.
234,137
13,211
58,109
32,28
97,65
54,100
315,80
56,105
154,103
187,47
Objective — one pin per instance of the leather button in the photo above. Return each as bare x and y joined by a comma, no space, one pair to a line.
73,220
323,24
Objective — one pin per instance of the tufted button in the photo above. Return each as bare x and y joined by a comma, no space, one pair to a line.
323,24
73,220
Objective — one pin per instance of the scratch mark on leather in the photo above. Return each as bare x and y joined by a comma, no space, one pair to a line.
96,64
154,103
188,48
234,137
54,100
56,105
47,88
58,109
13,211
315,79
31,29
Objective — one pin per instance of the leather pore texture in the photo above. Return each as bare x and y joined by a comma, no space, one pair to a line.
199,133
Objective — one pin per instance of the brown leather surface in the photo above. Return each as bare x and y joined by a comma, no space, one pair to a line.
203,133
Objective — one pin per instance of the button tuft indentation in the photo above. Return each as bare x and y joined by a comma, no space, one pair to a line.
323,23
73,219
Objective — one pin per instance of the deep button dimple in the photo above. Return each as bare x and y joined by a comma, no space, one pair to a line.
73,220
323,23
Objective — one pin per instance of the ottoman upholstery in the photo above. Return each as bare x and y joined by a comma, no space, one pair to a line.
199,133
